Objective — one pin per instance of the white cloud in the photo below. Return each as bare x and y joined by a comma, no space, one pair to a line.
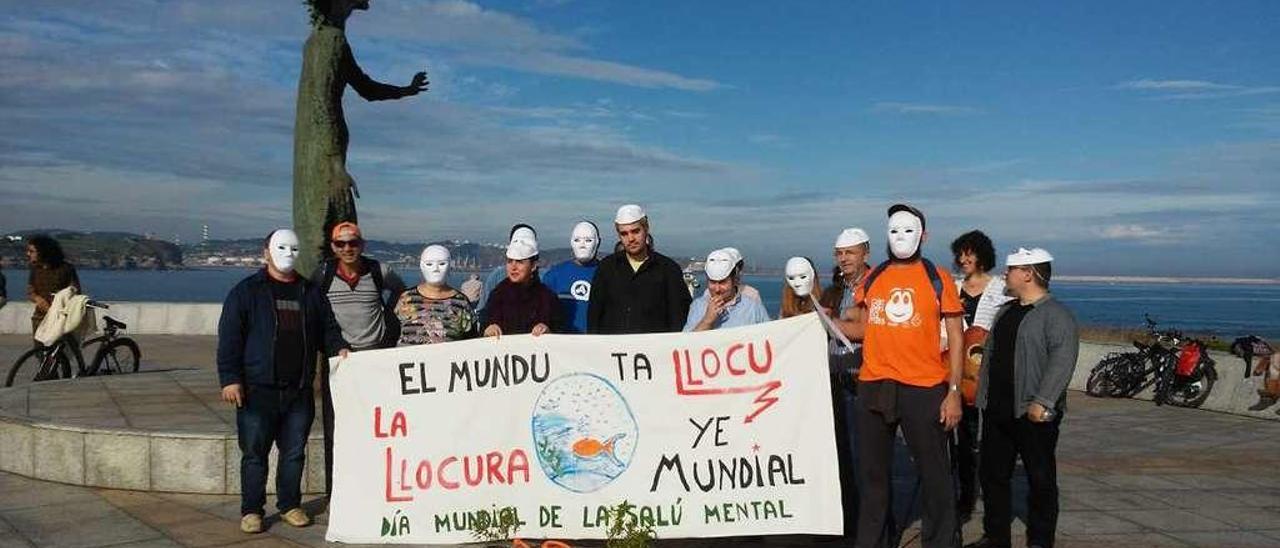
1194,89
769,139
1177,85
590,69
924,108
1131,232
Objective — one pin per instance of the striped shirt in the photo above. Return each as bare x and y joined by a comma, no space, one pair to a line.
359,310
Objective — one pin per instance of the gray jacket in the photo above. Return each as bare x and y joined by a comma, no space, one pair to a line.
1044,359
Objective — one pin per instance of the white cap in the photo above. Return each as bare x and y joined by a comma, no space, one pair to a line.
734,253
521,250
720,264
850,237
1024,256
628,214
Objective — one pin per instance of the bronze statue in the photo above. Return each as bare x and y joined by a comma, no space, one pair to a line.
323,191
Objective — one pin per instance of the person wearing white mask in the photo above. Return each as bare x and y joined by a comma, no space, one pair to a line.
433,312
521,304
800,286
571,280
723,304
637,289
904,382
1028,360
800,281
273,325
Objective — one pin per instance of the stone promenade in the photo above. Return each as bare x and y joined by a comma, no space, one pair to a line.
1132,474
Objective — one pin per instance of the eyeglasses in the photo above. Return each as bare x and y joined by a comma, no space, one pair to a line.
347,243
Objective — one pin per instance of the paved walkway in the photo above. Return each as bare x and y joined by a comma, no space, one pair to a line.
1131,474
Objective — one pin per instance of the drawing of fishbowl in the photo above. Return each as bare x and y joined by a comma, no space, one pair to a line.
584,432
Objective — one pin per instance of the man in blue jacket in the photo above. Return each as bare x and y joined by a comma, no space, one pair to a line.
273,324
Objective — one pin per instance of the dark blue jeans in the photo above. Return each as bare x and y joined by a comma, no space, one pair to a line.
280,416
844,393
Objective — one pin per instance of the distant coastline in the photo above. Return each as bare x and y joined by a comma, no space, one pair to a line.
1166,280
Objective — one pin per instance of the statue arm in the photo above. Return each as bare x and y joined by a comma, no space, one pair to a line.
373,90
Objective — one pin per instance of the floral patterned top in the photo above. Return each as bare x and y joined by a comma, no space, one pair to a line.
429,321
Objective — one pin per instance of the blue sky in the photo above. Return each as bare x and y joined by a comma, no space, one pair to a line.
1126,137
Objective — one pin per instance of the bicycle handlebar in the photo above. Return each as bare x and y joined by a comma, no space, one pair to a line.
97,304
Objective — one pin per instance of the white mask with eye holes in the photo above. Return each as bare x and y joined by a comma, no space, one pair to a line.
434,264
800,276
905,231
585,241
283,248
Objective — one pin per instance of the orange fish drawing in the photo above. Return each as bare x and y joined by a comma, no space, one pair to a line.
592,449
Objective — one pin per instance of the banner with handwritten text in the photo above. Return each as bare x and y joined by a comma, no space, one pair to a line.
720,433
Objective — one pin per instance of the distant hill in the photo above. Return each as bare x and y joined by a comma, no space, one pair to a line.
467,255
107,250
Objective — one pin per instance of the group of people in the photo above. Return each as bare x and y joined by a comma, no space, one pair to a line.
902,334
898,337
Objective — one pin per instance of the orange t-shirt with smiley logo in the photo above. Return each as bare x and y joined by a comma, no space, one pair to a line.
902,338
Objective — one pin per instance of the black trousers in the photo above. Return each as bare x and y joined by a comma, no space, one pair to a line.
1005,438
965,451
916,410
844,393
326,419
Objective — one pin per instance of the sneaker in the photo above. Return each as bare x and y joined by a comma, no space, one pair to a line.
251,523
296,518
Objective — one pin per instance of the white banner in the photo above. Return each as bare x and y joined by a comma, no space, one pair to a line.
720,433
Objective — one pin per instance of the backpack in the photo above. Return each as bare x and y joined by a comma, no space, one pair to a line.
932,271
391,324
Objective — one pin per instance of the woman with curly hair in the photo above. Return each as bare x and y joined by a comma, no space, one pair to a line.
50,272
981,294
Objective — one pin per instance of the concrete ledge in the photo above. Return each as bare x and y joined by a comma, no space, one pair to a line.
201,455
1231,394
144,318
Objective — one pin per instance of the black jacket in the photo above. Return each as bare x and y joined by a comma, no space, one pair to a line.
654,299
247,331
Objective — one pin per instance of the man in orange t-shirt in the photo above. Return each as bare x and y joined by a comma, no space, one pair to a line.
905,383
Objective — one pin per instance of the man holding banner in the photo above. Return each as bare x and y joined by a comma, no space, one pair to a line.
904,382
636,289
273,323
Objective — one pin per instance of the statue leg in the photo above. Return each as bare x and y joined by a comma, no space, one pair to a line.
318,204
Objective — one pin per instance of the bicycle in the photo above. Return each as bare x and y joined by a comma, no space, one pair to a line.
116,354
1179,367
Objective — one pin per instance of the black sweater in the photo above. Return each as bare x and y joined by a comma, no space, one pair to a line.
652,300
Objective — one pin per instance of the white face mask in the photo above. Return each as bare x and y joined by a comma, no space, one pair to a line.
526,234
800,276
283,248
585,241
904,234
434,264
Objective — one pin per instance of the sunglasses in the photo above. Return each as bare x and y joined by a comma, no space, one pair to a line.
340,244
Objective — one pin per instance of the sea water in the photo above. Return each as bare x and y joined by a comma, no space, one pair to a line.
1225,310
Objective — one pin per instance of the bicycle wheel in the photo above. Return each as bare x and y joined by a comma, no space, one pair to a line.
1112,377
39,364
119,356
1193,393
1164,383
1101,382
